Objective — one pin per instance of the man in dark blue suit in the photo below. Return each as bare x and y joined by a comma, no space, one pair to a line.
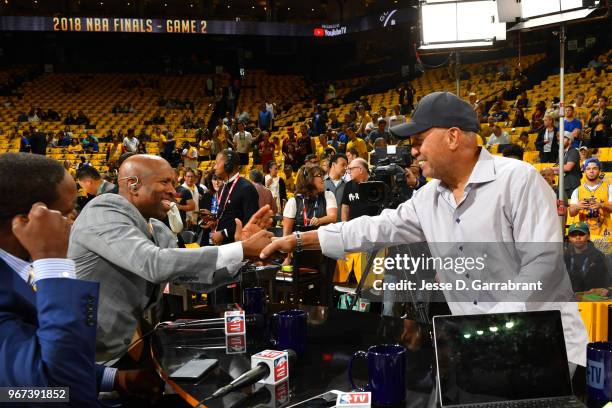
47,317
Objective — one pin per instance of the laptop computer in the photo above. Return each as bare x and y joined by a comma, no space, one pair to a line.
509,360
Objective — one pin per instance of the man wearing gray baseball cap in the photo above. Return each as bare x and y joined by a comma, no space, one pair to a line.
477,205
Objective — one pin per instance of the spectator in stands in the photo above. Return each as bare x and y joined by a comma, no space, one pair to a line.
305,145
593,100
169,152
312,206
75,147
571,165
356,142
553,111
546,142
311,160
70,169
522,101
90,143
581,111
519,119
498,113
33,117
334,180
373,124
600,122
53,116
263,192
22,117
266,148
242,143
222,133
499,137
114,151
353,205
289,179
209,206
585,264
382,112
380,132
290,157
549,175
361,120
82,119
205,147
83,163
277,186
264,118
537,118
319,120
92,183
585,153
488,129
238,199
334,123
397,118
189,154
70,119
188,199
570,122
513,151
592,201
351,154
38,142
130,142
523,142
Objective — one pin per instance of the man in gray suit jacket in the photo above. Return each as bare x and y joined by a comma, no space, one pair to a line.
119,241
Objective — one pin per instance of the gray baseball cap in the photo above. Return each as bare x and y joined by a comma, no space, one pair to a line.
439,109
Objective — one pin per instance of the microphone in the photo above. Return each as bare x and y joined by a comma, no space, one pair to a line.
269,366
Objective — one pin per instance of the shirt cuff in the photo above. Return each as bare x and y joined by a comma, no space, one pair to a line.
230,256
108,379
53,268
330,240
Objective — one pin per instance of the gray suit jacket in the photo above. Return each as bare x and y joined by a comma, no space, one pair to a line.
112,243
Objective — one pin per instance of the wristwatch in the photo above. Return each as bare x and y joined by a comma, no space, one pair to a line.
298,237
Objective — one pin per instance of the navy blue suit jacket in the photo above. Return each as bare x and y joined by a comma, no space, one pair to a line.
47,338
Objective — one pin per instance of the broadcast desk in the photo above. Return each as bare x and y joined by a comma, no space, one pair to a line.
332,338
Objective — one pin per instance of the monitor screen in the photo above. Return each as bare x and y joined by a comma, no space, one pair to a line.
501,357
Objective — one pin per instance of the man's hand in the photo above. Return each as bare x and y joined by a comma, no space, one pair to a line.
583,205
261,220
253,246
285,244
43,233
217,238
269,182
144,383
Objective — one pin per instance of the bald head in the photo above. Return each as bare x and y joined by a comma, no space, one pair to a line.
359,170
148,183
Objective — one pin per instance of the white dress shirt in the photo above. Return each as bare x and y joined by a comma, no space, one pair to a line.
54,268
505,201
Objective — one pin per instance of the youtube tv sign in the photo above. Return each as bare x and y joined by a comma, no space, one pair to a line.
330,30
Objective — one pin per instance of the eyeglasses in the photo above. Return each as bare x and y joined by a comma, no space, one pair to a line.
317,175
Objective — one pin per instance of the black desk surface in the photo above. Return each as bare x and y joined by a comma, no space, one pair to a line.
333,337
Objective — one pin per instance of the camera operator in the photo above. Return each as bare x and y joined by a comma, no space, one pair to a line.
352,205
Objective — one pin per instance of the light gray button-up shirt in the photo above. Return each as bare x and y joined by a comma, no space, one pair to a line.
505,201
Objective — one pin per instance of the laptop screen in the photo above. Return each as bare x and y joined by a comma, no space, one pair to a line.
501,357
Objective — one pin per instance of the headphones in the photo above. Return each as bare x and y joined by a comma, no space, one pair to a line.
229,161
